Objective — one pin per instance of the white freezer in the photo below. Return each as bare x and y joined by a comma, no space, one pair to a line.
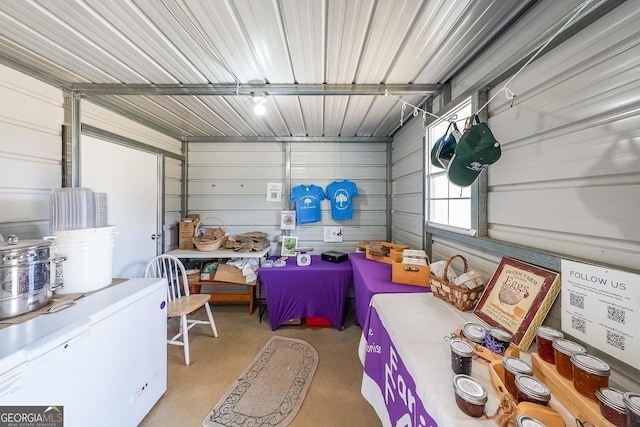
104,359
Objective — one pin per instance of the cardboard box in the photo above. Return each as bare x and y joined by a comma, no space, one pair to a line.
394,249
231,274
410,274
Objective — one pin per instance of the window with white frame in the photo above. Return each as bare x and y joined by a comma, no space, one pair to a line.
446,203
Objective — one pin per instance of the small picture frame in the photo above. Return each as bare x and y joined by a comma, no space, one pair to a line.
289,245
518,298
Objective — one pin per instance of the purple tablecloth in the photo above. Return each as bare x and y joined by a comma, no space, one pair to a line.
371,278
317,290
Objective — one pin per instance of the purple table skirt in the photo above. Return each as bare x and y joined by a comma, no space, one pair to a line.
317,290
371,278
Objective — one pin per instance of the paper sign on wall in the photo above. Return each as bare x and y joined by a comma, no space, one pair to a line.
601,307
274,191
333,234
288,220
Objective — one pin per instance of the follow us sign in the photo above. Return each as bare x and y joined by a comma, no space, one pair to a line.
600,306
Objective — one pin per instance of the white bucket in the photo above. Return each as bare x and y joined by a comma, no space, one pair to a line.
89,262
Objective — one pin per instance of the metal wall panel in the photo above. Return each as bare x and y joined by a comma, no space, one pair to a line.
407,198
228,181
31,117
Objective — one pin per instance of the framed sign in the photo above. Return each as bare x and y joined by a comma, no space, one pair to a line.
518,298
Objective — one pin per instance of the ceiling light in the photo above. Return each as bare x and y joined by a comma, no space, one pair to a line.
259,99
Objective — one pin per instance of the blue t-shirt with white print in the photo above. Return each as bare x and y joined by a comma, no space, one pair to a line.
341,194
307,199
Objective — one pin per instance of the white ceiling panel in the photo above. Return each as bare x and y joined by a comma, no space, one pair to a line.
187,68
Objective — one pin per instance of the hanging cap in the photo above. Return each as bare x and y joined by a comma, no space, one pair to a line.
476,150
445,146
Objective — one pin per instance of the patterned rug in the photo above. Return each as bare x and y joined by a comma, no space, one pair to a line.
271,390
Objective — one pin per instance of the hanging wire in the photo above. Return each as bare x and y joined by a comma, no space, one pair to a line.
208,48
535,55
504,88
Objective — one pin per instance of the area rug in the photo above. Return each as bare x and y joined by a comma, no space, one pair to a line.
271,390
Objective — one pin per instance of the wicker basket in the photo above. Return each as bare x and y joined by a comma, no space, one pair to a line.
460,296
208,242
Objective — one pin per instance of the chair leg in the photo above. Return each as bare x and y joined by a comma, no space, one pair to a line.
210,316
185,338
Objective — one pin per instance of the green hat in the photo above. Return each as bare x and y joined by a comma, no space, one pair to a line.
476,150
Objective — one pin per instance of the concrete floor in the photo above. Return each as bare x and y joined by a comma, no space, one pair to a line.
333,398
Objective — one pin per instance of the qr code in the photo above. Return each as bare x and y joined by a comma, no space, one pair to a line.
576,300
615,340
579,324
615,314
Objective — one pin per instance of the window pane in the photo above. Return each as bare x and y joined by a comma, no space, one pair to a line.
440,187
439,211
460,213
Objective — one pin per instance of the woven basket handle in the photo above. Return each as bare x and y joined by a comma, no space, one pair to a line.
450,260
206,220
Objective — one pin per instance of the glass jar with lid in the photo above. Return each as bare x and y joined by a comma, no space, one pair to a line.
461,357
512,367
528,421
474,332
589,374
544,341
632,403
563,349
497,340
471,396
530,389
612,407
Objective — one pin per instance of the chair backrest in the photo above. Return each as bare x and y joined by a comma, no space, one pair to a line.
172,269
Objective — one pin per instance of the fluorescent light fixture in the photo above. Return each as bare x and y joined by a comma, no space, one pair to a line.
259,99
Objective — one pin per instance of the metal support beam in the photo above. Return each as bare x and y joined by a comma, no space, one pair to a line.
313,139
127,142
71,140
231,89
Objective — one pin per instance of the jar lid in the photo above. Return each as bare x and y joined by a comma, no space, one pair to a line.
591,364
461,348
516,366
473,331
568,347
528,421
501,335
532,387
19,245
469,389
548,333
611,397
632,402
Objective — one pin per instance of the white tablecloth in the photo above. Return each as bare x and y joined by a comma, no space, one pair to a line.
417,325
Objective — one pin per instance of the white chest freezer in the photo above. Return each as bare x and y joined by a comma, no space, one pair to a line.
104,360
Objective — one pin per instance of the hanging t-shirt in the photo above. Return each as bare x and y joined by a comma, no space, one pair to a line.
307,199
341,194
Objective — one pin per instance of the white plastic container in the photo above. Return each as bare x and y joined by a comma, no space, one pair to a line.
89,254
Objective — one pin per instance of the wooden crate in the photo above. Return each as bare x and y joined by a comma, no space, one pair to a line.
394,250
410,274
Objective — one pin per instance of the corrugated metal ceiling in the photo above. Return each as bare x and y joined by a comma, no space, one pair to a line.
334,47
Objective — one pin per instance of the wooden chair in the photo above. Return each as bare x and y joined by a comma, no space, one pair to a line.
180,302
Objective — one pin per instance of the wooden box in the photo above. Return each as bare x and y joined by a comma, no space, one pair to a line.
393,249
410,274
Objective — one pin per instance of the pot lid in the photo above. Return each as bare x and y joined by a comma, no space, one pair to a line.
14,244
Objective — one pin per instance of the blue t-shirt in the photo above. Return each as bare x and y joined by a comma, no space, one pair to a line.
341,194
307,199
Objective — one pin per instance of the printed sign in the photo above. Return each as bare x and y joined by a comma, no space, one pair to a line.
31,416
274,191
601,307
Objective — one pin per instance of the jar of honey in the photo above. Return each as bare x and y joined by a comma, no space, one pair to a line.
471,396
612,407
589,374
512,367
563,349
632,403
497,340
461,357
544,340
473,332
530,389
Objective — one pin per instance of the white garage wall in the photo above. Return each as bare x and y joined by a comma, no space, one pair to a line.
407,194
568,181
229,181
31,117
